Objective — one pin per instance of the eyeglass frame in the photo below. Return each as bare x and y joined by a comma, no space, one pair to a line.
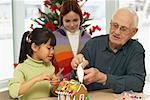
122,29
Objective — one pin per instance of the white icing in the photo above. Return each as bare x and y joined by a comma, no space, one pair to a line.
80,73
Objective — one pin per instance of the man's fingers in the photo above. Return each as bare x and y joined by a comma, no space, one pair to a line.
87,71
84,63
88,79
89,75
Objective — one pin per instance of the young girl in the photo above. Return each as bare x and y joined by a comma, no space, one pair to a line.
71,37
34,78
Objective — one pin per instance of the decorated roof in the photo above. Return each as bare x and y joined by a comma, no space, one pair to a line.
68,87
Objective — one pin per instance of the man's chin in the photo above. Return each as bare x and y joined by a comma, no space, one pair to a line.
115,42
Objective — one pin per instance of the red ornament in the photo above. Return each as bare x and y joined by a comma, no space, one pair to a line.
86,14
50,26
94,28
53,8
46,3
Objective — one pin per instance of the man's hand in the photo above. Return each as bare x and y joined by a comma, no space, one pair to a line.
94,75
77,60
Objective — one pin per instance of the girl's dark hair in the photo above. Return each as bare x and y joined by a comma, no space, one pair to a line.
38,36
70,5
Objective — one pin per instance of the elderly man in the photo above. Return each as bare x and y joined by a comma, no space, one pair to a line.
114,61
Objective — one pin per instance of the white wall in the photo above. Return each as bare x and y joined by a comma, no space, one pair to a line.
18,26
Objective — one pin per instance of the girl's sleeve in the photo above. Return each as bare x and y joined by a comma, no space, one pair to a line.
52,91
52,70
14,84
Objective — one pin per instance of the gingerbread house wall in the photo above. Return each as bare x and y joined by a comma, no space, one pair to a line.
81,92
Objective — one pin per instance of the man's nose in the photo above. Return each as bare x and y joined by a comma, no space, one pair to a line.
117,31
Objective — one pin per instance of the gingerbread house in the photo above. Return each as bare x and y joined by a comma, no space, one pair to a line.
72,90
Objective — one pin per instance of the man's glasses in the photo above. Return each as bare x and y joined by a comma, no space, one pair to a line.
122,29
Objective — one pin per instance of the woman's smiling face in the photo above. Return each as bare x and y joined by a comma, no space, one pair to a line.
71,21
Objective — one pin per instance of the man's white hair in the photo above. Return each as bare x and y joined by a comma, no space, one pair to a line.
136,19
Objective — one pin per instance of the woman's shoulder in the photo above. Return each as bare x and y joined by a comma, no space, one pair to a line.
84,32
60,32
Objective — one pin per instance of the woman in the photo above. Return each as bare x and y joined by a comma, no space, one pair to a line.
70,37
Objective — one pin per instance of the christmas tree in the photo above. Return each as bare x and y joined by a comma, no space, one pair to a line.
50,18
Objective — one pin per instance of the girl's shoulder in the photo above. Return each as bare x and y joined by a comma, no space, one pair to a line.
20,67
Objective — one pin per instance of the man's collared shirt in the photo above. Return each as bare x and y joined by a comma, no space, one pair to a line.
122,68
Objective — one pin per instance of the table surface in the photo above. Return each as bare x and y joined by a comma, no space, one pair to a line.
94,95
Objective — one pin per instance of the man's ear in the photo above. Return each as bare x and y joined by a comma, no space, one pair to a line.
34,47
134,31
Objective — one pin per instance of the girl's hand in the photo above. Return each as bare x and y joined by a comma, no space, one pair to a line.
55,82
27,85
45,76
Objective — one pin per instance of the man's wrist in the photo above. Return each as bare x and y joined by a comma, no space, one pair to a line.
105,79
104,83
102,79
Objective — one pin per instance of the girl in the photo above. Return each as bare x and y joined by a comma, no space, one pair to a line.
70,37
34,78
